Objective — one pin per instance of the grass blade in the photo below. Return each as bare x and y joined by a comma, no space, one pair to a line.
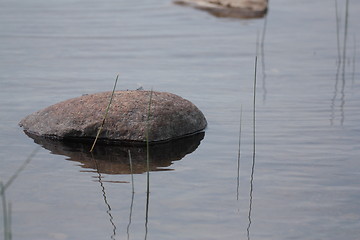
239,155
147,165
105,116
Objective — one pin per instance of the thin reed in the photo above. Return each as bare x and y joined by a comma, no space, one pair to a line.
253,157
105,116
345,36
147,139
254,110
337,31
6,213
239,155
354,63
148,165
6,207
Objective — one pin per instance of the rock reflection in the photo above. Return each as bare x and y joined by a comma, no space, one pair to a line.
114,159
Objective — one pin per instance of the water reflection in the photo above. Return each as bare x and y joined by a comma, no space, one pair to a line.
341,66
147,213
251,195
6,206
124,159
108,207
354,64
130,215
114,159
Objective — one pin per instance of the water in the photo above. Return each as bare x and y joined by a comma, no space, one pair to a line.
306,176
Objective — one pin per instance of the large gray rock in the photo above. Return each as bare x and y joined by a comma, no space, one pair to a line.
80,118
230,8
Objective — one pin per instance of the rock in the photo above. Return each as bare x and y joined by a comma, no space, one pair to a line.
80,118
230,8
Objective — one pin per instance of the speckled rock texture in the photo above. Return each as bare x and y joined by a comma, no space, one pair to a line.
80,118
230,8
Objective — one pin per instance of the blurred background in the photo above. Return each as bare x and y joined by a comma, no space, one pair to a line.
304,180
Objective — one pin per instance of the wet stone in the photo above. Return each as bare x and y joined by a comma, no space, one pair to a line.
128,120
230,8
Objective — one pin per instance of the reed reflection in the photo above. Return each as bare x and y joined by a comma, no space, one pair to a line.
123,159
132,196
130,215
339,91
354,64
108,207
147,214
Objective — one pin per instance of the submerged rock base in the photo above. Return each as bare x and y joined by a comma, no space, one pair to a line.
79,118
114,159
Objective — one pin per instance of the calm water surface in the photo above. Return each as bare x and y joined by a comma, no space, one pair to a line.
306,181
